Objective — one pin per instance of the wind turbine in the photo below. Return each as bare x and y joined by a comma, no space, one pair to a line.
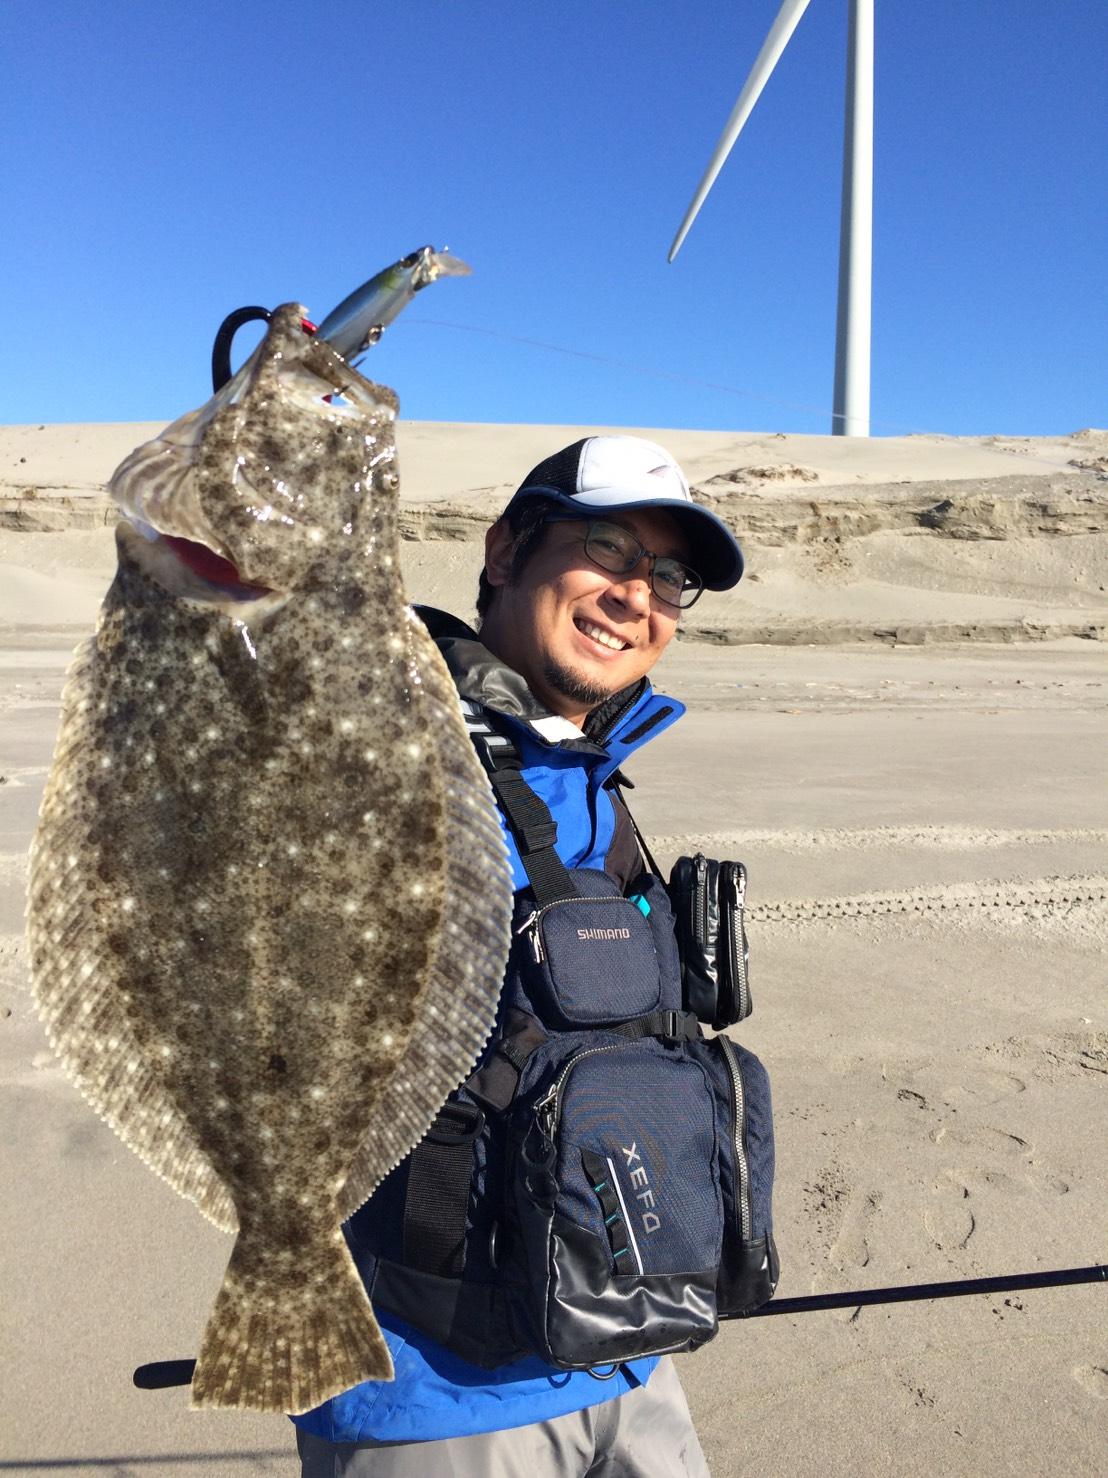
850,406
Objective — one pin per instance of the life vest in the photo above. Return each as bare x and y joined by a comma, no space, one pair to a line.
599,1188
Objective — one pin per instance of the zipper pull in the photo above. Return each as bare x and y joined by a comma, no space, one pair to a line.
531,922
737,881
546,1111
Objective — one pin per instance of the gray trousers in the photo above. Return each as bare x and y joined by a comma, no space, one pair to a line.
646,1433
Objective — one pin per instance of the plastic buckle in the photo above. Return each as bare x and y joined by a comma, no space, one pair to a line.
456,1123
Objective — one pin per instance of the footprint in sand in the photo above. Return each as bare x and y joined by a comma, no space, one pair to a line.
983,1086
982,1139
1033,1179
912,1098
850,1248
949,1222
977,1087
995,1143
1092,1378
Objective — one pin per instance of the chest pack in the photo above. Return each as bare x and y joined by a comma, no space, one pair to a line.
599,1188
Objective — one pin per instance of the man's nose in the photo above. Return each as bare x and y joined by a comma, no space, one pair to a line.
633,588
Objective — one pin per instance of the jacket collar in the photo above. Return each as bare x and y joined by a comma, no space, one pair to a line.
620,725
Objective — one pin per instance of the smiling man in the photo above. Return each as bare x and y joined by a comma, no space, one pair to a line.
587,570
586,573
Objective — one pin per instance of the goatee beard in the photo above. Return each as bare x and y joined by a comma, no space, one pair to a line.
567,682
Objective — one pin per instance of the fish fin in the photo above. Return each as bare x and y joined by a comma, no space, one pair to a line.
76,979
289,1353
466,971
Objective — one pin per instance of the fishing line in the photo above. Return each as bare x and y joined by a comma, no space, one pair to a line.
742,392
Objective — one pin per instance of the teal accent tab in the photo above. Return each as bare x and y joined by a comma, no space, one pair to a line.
642,904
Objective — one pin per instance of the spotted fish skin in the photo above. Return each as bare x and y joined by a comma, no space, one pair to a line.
269,896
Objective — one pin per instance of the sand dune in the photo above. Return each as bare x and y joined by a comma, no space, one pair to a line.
899,540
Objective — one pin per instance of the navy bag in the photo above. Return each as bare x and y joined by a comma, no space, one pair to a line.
600,1188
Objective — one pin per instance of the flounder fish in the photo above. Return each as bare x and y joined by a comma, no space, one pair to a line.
269,900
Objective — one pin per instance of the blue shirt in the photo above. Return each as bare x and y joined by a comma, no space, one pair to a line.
436,1394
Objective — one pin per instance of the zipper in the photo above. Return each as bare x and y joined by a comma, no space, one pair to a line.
735,894
742,1168
533,921
700,904
548,1108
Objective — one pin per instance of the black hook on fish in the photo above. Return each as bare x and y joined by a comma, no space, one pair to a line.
221,349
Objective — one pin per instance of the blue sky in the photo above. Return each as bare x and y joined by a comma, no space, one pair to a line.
164,163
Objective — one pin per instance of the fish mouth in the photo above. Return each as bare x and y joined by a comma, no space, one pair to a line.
191,569
215,569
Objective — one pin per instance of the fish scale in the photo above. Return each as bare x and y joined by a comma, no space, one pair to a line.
269,896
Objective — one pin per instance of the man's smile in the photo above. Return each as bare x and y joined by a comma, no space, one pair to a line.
600,634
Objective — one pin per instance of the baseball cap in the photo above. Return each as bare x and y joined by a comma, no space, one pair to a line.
602,474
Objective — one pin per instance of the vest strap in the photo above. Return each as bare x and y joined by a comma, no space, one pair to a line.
437,1198
671,1026
495,1082
528,815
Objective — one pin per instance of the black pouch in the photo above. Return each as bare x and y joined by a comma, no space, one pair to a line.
708,899
595,958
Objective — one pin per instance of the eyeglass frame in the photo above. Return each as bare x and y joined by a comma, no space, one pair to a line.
590,521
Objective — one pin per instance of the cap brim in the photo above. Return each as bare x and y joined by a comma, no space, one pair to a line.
714,551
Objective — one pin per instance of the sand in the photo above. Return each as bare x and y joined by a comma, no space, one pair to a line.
898,724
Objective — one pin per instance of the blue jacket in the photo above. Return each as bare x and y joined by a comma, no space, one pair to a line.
435,1393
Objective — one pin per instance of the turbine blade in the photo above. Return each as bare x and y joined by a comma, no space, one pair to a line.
783,27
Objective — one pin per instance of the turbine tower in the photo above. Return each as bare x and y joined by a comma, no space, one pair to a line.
850,406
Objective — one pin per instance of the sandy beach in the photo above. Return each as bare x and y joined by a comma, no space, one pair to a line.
897,721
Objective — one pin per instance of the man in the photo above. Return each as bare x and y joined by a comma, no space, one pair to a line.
586,573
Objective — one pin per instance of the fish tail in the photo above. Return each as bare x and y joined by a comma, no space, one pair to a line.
288,1332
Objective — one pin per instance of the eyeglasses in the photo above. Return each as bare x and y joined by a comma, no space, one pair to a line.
616,550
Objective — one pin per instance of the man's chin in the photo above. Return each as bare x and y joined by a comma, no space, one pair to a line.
584,688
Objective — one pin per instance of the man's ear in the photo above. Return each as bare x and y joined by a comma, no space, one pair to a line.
499,543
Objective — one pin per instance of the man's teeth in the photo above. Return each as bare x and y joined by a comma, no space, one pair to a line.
603,637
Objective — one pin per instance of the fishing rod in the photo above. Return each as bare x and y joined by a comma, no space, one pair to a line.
161,1374
912,1292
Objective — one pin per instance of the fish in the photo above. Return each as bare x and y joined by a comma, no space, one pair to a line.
269,893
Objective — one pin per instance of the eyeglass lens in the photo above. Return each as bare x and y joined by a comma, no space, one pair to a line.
618,552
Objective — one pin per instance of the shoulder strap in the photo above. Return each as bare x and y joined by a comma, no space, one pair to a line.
617,783
533,827
437,1194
